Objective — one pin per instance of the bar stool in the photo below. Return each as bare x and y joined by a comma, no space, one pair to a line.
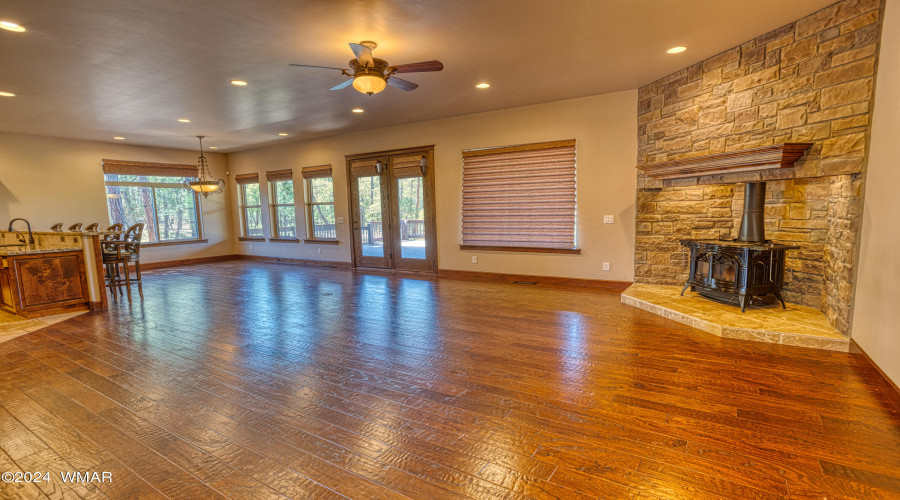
75,227
92,227
57,227
122,251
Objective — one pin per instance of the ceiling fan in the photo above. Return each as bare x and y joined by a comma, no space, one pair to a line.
369,75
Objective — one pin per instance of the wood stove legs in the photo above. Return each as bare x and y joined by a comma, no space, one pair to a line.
780,298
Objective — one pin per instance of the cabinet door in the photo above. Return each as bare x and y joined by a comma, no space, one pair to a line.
49,281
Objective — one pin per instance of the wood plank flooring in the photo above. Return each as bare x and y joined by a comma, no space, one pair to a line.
256,380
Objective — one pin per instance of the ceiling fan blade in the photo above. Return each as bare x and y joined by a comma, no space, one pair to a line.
309,66
418,67
342,85
401,84
363,54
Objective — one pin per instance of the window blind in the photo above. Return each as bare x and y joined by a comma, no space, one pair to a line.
520,196
127,167
407,166
364,168
317,172
247,178
280,175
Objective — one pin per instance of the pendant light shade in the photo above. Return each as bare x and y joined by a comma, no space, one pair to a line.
205,185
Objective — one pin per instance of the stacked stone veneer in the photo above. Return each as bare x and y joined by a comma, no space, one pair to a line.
810,81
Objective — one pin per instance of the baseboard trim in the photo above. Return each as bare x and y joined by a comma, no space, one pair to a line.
887,386
296,262
543,280
186,262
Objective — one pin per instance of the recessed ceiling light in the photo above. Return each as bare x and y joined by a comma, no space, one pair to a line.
214,147
239,83
11,26
7,94
357,110
282,133
676,50
483,85
119,138
184,120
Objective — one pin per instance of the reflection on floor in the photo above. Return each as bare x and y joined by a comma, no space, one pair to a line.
244,379
797,325
12,326
412,249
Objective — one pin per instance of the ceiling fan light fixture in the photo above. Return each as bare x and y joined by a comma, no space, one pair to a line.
369,83
11,26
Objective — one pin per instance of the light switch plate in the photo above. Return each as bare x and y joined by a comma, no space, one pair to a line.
606,266
474,259
608,219
340,220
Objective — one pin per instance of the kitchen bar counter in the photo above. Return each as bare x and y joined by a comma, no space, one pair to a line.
60,272
6,251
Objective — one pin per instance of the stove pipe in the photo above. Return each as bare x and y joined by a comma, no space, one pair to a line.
753,227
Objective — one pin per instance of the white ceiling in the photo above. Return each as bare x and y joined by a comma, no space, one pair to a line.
94,69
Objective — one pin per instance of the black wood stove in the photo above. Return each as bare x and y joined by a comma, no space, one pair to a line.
743,269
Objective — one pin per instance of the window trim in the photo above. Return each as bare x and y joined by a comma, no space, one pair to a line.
273,211
198,212
310,220
242,199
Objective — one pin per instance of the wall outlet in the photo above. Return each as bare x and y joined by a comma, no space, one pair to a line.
606,266
340,220
608,219
319,249
251,246
474,259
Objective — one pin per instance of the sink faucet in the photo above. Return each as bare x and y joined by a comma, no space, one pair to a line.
20,237
30,235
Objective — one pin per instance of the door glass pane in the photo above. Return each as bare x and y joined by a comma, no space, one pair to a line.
411,200
370,217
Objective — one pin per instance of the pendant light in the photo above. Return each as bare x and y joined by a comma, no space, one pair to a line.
205,185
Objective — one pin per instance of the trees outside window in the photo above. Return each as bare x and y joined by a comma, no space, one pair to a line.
168,211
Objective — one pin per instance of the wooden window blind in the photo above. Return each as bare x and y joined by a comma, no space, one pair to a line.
520,196
408,166
246,178
317,172
126,167
280,175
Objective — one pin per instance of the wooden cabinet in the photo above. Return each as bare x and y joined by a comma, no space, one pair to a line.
43,284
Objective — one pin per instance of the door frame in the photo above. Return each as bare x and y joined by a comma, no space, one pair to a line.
429,264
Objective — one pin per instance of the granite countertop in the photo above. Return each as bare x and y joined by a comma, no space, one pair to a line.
34,249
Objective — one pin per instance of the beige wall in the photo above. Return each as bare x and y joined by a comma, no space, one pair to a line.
603,126
876,315
48,180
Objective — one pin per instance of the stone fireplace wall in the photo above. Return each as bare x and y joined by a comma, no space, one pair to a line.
809,81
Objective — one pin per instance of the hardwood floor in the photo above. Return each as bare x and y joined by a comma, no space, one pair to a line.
255,380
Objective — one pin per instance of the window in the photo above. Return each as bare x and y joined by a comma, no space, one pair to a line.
281,197
251,211
520,198
153,194
319,202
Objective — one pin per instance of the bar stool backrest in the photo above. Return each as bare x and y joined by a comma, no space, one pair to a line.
57,227
92,227
76,226
115,227
133,238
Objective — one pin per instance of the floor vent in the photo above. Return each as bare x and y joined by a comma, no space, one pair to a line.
525,282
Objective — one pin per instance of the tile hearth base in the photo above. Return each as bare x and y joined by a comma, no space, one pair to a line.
797,325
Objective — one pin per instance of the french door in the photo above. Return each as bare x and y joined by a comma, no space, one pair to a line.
392,209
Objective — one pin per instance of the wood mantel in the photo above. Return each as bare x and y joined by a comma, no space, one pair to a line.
747,160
